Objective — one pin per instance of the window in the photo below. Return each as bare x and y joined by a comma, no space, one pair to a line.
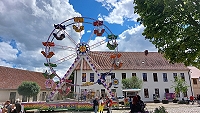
113,92
182,76
144,77
24,98
112,76
133,74
155,77
35,98
166,90
103,93
157,92
194,81
83,77
175,76
91,77
44,96
165,77
146,93
123,75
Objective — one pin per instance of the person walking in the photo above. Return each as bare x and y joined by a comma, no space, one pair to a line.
101,105
141,104
95,104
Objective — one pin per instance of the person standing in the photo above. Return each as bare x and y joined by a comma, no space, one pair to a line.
135,107
141,104
130,102
13,109
85,94
7,107
101,105
95,104
109,104
192,99
18,106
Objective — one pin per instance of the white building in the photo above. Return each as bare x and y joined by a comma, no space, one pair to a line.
155,71
12,78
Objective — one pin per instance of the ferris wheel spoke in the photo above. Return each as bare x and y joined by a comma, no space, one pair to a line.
70,38
90,37
65,48
98,44
65,58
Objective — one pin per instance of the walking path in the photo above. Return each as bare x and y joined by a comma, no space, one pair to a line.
171,108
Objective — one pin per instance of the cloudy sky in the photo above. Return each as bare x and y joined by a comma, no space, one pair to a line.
25,24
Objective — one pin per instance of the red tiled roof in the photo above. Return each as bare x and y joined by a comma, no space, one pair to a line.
11,78
133,61
194,72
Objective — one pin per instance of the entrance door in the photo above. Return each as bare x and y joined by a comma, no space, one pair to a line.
12,97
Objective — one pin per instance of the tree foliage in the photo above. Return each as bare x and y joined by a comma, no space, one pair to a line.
180,85
131,83
28,89
173,26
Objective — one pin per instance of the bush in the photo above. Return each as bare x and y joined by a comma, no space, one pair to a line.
181,102
156,101
161,109
165,101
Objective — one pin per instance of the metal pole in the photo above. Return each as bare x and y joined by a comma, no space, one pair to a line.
190,83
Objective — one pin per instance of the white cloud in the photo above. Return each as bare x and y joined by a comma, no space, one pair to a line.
121,10
7,53
29,23
132,40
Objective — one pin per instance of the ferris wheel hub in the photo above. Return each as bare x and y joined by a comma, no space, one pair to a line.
82,49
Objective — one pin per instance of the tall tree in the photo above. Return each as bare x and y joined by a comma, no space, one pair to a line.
131,83
28,89
180,85
173,26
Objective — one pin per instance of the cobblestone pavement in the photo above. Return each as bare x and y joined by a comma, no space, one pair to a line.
171,108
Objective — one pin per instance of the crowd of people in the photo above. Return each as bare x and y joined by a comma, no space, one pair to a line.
11,108
136,104
100,104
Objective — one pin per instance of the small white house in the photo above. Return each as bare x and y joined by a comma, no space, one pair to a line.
11,79
153,69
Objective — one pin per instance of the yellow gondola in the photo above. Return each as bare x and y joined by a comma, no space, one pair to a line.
78,19
78,29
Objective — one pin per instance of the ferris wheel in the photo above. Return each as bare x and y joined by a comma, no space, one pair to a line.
72,41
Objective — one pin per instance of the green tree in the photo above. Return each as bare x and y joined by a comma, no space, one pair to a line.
133,82
173,26
28,89
180,85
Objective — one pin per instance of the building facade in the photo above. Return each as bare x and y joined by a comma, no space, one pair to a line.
153,69
195,80
12,78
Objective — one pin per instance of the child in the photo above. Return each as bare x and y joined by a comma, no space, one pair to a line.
101,105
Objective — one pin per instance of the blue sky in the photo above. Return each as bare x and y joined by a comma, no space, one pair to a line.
25,24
